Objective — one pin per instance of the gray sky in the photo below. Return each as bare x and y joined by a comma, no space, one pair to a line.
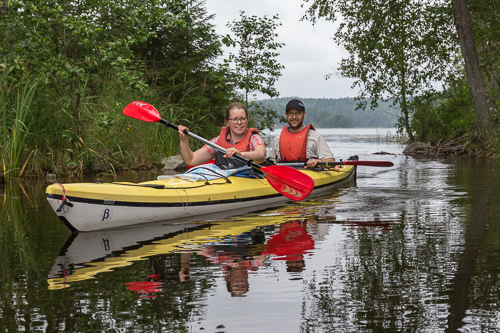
309,52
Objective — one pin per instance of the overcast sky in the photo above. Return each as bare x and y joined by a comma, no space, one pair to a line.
309,52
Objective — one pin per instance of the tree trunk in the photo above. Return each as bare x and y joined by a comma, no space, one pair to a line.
482,106
404,107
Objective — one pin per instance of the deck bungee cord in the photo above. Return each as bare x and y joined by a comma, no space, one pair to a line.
240,172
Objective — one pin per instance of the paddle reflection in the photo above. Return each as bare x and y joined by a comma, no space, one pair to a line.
290,243
144,288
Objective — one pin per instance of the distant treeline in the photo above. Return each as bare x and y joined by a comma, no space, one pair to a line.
339,112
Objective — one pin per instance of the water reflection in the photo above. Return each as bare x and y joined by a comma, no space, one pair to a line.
290,243
426,269
415,248
484,216
235,244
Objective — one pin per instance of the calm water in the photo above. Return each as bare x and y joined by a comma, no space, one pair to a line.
413,248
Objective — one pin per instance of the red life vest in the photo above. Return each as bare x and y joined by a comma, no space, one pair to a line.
293,145
291,242
243,145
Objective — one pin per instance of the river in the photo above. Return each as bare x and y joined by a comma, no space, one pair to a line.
411,248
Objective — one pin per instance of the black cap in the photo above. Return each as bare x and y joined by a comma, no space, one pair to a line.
296,104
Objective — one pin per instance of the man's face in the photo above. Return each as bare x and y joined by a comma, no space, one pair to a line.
295,118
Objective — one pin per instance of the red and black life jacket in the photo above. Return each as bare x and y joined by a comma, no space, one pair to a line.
243,145
293,145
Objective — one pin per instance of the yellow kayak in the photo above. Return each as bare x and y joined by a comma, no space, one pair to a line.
95,206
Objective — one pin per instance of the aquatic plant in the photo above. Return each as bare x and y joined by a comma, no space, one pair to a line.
14,135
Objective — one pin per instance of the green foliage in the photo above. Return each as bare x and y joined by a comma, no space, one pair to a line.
69,44
76,50
94,57
486,20
450,112
339,112
13,137
256,66
181,65
336,120
264,116
439,116
397,49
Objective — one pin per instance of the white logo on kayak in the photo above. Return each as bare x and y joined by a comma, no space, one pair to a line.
106,215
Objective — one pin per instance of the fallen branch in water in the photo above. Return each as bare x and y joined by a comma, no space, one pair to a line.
448,147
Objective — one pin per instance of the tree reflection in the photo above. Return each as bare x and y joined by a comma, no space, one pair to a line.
390,279
484,216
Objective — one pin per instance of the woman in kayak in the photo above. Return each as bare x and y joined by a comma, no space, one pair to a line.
235,137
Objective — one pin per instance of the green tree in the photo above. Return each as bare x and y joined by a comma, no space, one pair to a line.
486,24
95,56
181,61
256,67
77,51
320,109
482,104
71,44
396,48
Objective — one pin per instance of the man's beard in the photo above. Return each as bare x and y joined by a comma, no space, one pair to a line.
299,125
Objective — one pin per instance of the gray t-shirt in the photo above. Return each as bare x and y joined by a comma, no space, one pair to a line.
316,147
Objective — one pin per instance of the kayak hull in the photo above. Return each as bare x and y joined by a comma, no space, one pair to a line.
92,206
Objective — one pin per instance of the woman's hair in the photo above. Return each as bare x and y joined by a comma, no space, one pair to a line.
236,105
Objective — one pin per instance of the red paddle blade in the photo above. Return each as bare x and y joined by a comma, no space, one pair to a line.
142,111
290,182
369,163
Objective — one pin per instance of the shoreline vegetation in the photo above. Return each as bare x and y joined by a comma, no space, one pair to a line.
67,72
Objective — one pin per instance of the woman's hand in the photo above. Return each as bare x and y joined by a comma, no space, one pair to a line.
181,130
232,151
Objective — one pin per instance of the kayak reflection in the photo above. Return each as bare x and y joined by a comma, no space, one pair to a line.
87,254
239,246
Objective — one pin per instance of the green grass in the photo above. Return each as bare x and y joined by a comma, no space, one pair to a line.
16,124
40,134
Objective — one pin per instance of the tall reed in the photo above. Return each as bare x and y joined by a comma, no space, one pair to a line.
3,137
13,137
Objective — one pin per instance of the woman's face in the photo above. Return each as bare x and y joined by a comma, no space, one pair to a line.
237,121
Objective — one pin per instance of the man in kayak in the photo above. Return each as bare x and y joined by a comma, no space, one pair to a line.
235,137
298,142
